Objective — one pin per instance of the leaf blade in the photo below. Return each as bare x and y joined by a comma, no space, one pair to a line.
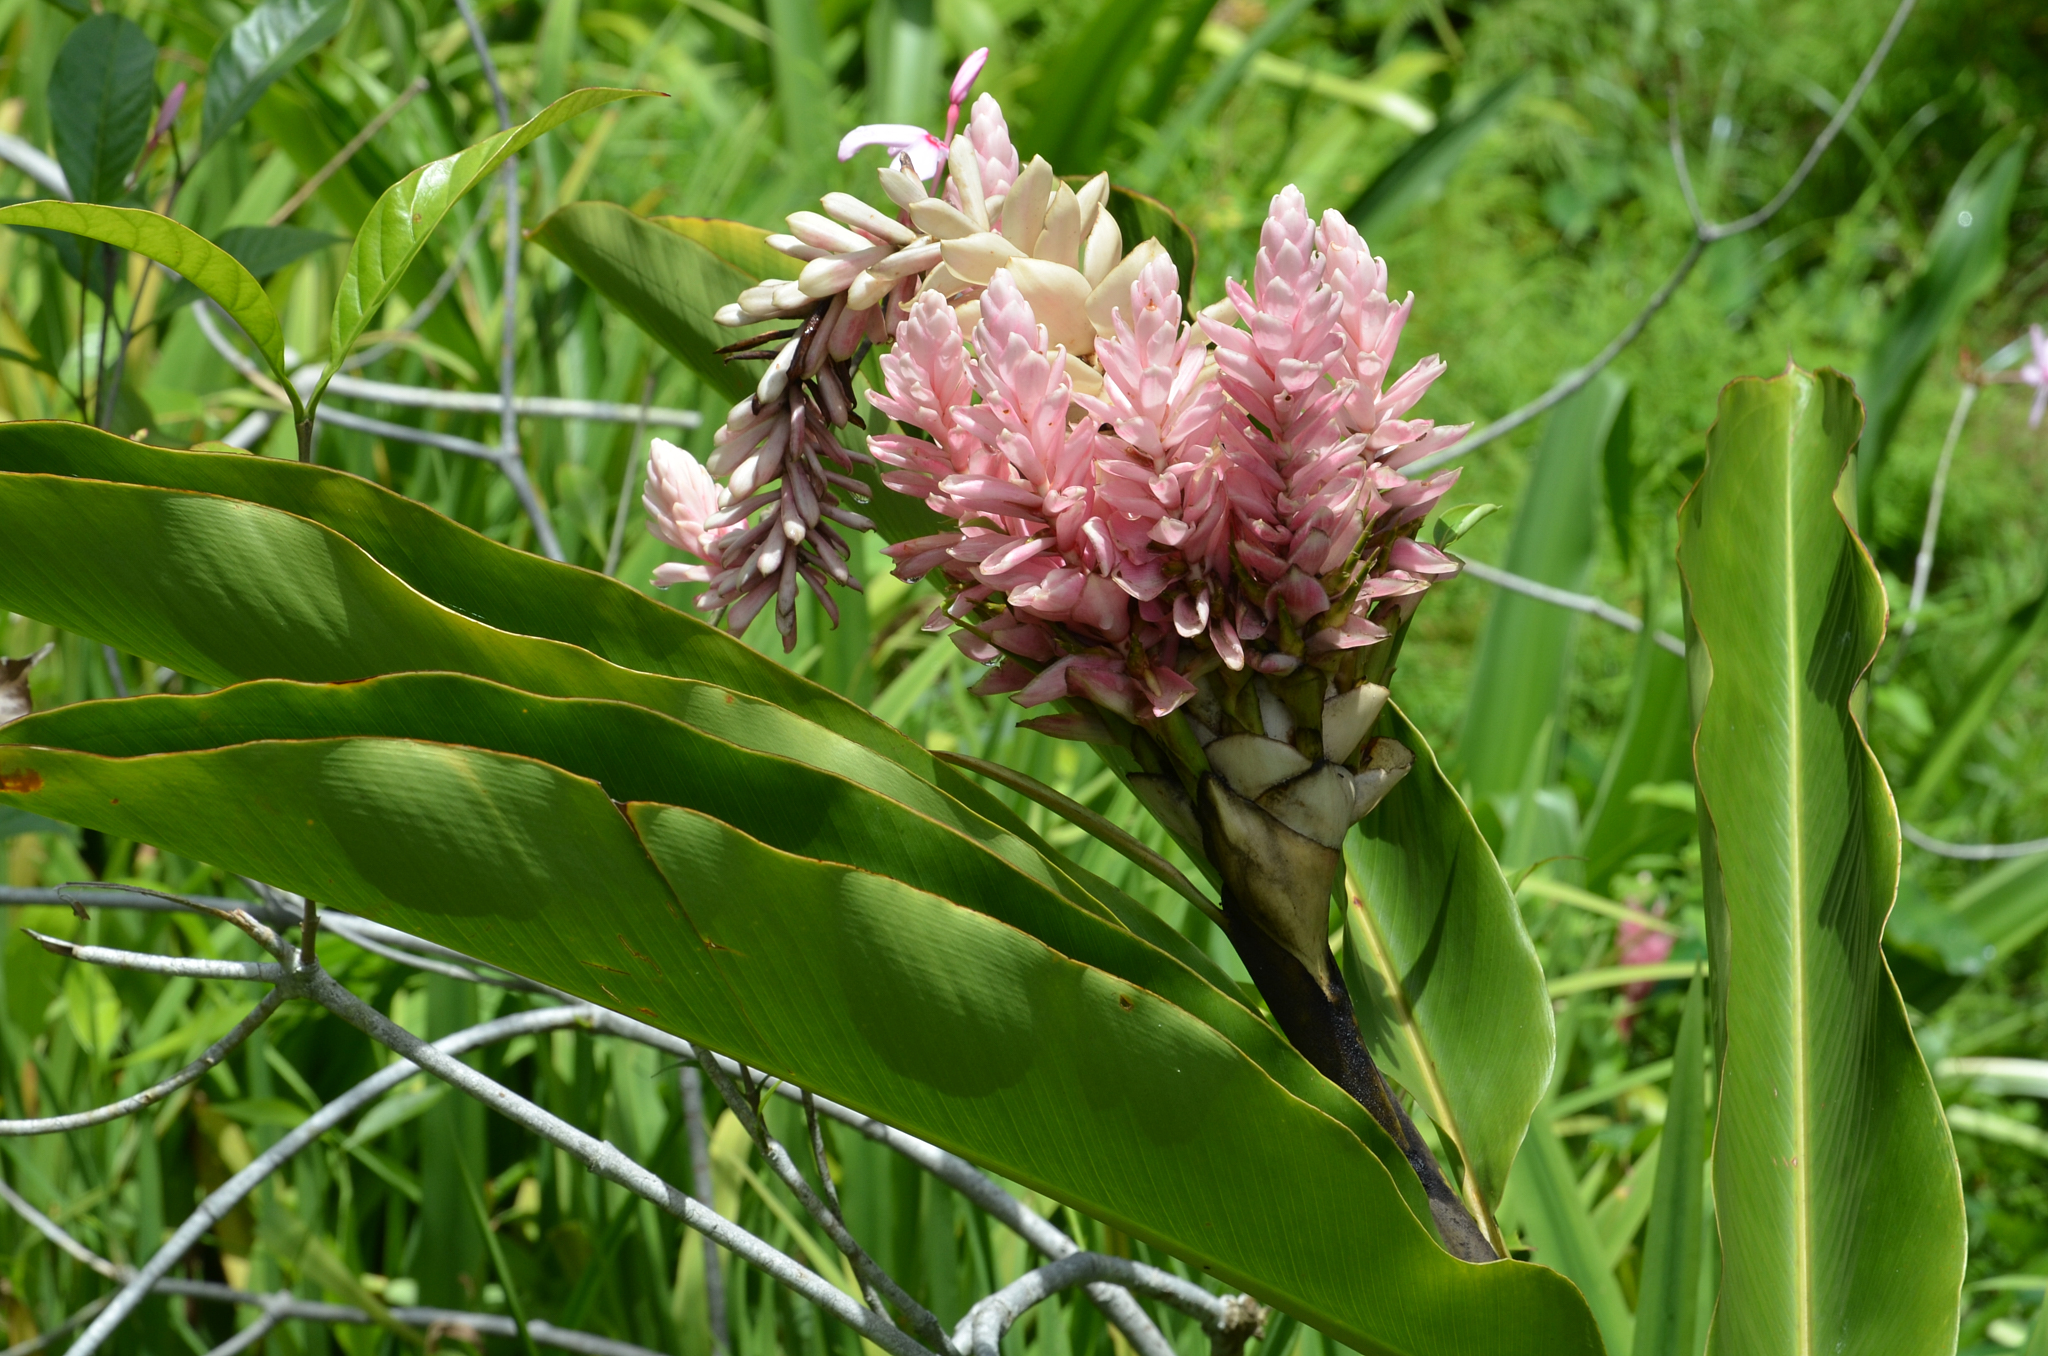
258,51
1836,1189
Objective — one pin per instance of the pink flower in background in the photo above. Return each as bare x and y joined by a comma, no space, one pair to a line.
2035,374
1635,944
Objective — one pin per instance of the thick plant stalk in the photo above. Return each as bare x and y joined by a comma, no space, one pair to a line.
1317,1018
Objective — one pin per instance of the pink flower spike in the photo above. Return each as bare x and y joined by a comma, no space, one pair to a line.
927,153
963,82
2035,374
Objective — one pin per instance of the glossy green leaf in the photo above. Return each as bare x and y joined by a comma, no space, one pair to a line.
263,250
1667,1295
952,1024
411,209
1965,256
743,246
1418,174
208,267
1518,675
1543,1202
1449,989
666,280
102,95
2017,640
274,37
1836,1188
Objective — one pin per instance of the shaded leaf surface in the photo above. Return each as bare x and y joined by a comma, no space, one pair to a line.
275,36
102,96
1836,1188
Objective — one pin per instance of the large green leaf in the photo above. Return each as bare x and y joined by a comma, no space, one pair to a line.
263,250
275,36
745,764
1667,1298
666,280
1965,256
1450,991
1836,1188
413,208
1518,676
200,262
936,1017
102,94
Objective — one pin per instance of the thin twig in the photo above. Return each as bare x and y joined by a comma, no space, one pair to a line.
540,407
1923,562
191,967
1705,233
127,1106
347,152
232,1192
1972,852
607,1162
1577,602
1079,815
744,1104
1230,1322
978,1187
692,1087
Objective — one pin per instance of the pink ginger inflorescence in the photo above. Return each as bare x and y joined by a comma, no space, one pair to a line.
1140,496
1241,506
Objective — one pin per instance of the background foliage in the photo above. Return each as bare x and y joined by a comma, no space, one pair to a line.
1545,216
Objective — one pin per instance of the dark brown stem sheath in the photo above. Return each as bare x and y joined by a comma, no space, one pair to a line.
1323,1027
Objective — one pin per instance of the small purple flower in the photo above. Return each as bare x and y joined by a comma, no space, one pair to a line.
2035,374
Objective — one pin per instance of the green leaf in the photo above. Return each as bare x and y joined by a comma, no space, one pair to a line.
1652,751
667,279
1618,477
2007,907
952,1024
1075,99
1835,1187
1518,675
263,250
1667,1297
275,36
208,267
2017,640
102,95
1965,257
1458,1014
411,209
1418,174
1543,1200
743,246
803,84
1140,217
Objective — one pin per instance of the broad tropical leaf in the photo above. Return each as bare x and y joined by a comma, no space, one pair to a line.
1450,990
200,262
1543,1200
1836,1187
413,208
276,36
102,94
1137,1087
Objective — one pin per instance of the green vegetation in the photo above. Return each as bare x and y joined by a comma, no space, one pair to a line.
1509,158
